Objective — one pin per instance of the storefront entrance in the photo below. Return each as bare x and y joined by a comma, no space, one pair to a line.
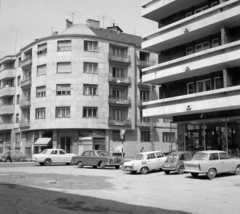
65,143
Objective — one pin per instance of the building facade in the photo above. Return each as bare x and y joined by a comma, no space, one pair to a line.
76,90
198,72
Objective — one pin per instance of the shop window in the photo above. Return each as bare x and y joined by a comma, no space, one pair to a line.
202,46
168,136
204,85
63,89
90,90
218,83
145,136
190,88
40,113
63,112
91,46
63,67
41,91
64,45
89,112
189,51
41,70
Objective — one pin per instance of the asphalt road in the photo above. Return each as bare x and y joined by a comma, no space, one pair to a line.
31,188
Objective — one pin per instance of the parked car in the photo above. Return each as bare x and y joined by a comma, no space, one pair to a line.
96,158
174,161
145,162
49,156
16,155
211,163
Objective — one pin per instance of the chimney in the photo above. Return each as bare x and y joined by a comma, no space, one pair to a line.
54,33
68,23
93,23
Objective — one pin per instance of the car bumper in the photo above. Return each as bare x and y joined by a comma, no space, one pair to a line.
128,169
194,171
169,168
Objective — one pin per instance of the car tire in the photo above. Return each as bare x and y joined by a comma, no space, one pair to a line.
194,174
102,165
180,170
47,162
237,170
166,172
211,173
67,163
79,164
133,172
94,167
41,164
144,171
117,167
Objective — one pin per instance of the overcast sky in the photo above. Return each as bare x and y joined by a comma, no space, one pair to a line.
36,18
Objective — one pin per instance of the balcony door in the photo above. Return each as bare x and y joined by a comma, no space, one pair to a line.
119,114
118,93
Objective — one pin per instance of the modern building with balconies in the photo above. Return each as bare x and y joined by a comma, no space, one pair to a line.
79,88
198,70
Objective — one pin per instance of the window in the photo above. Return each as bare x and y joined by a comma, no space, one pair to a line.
218,83
223,156
63,89
64,45
188,14
215,42
90,46
189,51
168,136
29,136
201,9
41,70
18,80
90,67
190,88
118,93
167,120
204,85
63,112
117,136
64,67
213,156
151,156
144,95
119,51
159,155
17,118
19,62
118,72
90,112
119,114
41,91
40,113
8,136
145,136
61,152
214,4
18,137
90,90
86,154
18,99
202,46
54,152
42,50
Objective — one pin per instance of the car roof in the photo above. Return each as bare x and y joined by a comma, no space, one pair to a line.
211,151
181,152
149,152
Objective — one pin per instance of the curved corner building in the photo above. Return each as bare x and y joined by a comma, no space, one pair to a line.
76,90
198,43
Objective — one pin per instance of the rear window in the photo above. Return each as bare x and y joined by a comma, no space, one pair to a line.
200,156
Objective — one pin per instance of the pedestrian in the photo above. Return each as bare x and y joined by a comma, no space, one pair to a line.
142,149
8,155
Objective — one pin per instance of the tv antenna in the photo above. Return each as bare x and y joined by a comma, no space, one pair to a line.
103,17
17,31
73,13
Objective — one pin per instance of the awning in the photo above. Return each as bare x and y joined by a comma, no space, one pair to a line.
43,141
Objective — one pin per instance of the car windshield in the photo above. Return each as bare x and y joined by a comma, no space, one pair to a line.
102,153
200,156
43,152
172,156
139,157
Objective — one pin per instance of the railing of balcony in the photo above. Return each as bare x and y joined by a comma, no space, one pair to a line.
119,79
119,121
146,63
121,100
26,62
26,81
113,57
8,125
25,102
24,123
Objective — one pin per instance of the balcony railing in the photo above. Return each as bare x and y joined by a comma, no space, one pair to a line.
124,59
6,126
146,122
25,123
119,80
116,121
26,63
8,73
6,109
119,100
25,103
145,63
26,82
7,91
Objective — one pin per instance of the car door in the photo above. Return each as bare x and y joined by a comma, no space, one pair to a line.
92,160
63,158
160,159
85,157
54,156
226,163
152,161
214,161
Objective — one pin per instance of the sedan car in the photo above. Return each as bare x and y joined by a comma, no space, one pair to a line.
145,162
49,156
16,155
175,160
96,158
211,163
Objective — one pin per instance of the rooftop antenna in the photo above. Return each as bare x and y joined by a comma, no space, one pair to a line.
17,31
73,13
103,17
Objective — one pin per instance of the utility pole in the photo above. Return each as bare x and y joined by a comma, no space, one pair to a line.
17,31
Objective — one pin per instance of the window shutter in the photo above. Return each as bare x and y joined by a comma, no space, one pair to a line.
41,89
41,70
63,87
64,67
64,43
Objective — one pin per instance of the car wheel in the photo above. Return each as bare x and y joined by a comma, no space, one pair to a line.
194,175
133,172
102,165
166,172
211,173
237,170
67,163
20,159
180,170
47,162
94,167
41,164
80,165
117,167
144,170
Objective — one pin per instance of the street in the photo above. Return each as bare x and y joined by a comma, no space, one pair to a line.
31,188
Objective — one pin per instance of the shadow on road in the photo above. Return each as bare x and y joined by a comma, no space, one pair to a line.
25,200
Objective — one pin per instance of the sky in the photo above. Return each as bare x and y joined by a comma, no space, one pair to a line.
23,21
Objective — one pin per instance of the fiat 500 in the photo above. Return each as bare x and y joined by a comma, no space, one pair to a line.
145,162
212,163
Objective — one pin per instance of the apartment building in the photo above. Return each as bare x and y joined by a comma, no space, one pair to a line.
76,90
198,72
